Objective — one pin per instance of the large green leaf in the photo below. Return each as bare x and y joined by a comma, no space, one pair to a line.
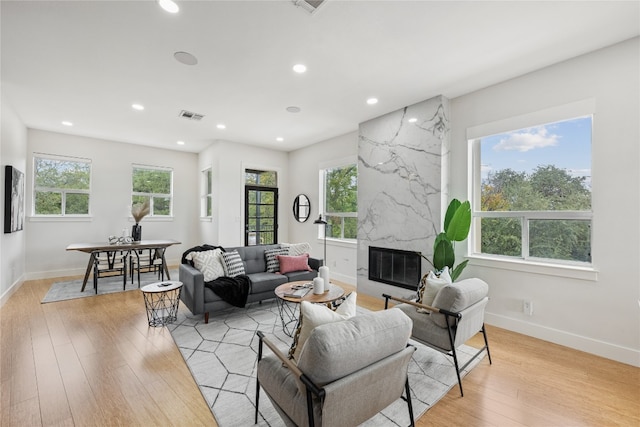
455,273
460,223
451,210
443,254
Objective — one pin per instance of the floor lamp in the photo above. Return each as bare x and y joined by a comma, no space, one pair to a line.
321,221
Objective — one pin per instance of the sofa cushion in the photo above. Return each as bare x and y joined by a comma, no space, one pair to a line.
210,263
313,315
271,257
233,265
431,284
297,248
293,263
265,282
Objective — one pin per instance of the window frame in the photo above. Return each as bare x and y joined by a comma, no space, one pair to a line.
151,196
342,163
539,118
206,194
63,191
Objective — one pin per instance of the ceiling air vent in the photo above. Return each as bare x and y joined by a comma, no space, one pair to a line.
309,5
190,115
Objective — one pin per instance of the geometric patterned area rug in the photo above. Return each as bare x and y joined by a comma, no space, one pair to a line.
222,357
70,289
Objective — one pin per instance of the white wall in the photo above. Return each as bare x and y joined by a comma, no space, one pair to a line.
110,201
304,166
13,143
228,161
600,316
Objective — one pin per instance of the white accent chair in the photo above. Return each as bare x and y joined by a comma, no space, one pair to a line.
347,372
457,314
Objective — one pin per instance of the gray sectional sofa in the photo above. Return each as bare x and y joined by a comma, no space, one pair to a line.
199,299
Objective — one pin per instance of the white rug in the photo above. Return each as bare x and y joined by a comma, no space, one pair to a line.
61,291
222,357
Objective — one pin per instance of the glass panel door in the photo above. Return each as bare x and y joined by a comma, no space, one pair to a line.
261,215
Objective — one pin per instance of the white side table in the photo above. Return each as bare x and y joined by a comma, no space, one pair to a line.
161,300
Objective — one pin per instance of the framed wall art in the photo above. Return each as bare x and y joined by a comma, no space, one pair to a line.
13,199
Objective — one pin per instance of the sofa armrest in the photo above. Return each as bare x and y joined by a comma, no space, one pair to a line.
192,294
315,263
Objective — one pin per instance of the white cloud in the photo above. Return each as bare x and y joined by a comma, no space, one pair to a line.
526,140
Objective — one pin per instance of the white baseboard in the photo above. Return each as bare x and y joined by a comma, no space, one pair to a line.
578,342
343,278
12,289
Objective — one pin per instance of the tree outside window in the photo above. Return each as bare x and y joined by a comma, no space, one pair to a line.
535,192
154,185
341,201
61,186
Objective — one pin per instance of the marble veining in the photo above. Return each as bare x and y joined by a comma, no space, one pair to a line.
401,164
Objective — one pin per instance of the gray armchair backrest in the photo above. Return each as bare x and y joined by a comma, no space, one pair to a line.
457,297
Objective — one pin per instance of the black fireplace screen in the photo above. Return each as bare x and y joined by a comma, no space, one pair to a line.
394,267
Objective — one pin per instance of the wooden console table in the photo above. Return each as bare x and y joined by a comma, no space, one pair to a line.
94,248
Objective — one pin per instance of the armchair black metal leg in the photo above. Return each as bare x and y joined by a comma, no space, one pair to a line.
486,342
409,404
257,380
310,408
455,362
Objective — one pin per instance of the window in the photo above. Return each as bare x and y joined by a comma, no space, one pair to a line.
340,201
206,202
155,185
62,185
532,192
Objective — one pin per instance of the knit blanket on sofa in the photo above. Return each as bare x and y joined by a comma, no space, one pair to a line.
233,290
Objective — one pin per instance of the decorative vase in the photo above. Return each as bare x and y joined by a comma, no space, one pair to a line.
136,232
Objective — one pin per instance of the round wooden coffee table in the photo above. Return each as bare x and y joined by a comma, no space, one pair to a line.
288,306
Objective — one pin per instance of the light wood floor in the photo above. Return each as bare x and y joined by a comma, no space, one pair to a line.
95,362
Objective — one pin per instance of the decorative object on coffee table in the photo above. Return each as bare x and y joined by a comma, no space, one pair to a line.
139,211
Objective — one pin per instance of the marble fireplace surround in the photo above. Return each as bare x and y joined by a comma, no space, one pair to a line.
402,184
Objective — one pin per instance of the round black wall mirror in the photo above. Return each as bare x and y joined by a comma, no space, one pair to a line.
301,208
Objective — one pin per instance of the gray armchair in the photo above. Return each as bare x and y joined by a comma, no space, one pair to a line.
457,314
347,372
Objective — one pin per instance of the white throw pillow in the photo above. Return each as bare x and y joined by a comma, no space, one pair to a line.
312,315
208,262
296,249
433,285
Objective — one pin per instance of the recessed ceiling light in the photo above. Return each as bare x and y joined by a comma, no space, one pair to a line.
138,107
279,139
372,101
293,109
185,58
66,123
299,68
221,126
413,120
169,5
180,142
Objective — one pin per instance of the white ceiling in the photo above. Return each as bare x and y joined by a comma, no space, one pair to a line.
88,61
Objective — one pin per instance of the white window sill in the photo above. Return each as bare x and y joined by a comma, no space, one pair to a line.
548,269
59,218
153,219
206,219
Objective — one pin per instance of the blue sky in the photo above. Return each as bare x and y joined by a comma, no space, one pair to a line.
566,144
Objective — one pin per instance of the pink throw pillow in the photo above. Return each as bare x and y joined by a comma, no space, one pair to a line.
293,263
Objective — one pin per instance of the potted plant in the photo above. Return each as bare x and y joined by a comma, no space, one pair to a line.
457,222
139,211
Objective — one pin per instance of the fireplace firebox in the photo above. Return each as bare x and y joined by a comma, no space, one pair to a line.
394,267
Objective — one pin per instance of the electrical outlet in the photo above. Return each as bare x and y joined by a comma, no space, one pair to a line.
527,307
